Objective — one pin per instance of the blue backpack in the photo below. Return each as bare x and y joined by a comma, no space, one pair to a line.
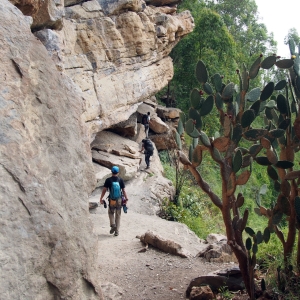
115,190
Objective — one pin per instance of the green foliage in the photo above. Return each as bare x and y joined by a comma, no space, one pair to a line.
225,293
236,32
196,211
259,144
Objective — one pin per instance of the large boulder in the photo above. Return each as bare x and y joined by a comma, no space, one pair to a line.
230,277
110,149
166,113
164,141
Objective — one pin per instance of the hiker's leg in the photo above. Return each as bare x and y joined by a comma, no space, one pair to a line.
146,130
147,159
111,216
118,215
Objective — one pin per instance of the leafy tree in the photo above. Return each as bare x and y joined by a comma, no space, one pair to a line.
201,43
292,35
226,33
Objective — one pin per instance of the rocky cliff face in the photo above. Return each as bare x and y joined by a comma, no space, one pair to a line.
69,70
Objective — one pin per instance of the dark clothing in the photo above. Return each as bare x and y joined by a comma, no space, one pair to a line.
147,145
108,182
147,158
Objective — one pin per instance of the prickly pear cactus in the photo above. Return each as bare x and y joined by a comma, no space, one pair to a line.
272,146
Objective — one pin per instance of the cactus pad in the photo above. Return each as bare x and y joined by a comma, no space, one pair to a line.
265,143
194,134
237,161
207,106
217,80
194,115
182,117
219,101
262,160
268,112
267,235
189,126
272,173
204,139
284,63
292,175
247,118
276,133
228,91
195,142
268,62
270,104
250,231
255,134
272,157
201,72
240,201
243,178
196,99
253,95
197,156
256,106
216,155
282,104
267,91
180,128
259,237
178,140
207,88
284,164
280,85
255,68
248,244
237,133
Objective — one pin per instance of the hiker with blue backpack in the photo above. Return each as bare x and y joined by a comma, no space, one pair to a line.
116,200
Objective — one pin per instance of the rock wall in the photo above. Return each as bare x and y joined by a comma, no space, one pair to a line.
70,69
47,250
116,53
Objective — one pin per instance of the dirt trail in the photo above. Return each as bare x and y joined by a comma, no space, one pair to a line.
130,275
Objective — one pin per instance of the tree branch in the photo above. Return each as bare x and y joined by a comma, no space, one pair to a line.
205,187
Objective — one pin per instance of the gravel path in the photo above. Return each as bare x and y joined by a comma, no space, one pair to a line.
129,275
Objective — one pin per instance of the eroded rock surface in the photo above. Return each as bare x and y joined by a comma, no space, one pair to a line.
46,247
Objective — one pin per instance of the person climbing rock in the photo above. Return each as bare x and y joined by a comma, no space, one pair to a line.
146,122
148,149
116,187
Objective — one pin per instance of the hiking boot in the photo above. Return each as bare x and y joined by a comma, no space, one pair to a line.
147,167
116,233
113,229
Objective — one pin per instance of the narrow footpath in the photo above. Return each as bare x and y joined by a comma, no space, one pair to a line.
129,275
